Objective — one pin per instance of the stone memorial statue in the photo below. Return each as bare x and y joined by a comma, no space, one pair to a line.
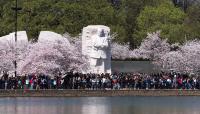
96,45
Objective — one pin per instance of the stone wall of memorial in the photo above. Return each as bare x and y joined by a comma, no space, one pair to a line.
134,66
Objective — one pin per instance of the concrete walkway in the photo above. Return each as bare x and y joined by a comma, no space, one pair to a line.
96,93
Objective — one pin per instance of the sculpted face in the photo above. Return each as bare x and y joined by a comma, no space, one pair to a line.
102,33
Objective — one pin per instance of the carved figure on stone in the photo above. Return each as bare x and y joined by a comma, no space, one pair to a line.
96,45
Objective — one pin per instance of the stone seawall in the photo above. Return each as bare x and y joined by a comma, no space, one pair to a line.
96,93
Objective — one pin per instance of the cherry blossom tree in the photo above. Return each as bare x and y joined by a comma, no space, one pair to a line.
184,59
191,51
119,51
153,46
52,57
173,60
181,58
48,57
9,52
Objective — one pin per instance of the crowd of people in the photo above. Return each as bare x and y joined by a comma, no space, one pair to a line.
91,81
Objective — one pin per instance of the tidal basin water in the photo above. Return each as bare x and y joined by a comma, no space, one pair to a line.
100,105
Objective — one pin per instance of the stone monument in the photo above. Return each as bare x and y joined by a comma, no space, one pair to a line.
10,38
48,36
96,45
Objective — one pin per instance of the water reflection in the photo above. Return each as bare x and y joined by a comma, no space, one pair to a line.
101,105
96,106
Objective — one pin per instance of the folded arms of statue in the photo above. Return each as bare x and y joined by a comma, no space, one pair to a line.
101,44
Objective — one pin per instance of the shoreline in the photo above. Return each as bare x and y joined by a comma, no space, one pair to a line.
96,93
